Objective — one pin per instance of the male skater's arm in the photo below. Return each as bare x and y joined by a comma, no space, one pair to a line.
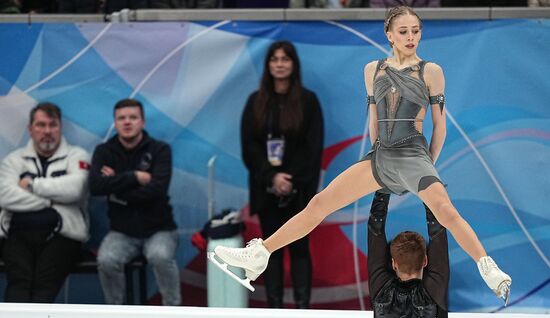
436,274
378,254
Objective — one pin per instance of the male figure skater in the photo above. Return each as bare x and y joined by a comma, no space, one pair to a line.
406,280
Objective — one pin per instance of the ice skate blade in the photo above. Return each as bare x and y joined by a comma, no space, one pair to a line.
506,295
245,282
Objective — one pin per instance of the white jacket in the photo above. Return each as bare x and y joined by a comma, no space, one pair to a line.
66,191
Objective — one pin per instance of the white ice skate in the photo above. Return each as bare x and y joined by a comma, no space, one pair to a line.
253,259
496,279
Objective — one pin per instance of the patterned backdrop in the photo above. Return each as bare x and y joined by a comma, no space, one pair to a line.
194,79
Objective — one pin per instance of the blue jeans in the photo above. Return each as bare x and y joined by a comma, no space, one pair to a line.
118,249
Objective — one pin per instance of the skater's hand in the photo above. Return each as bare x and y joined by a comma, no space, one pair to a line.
282,183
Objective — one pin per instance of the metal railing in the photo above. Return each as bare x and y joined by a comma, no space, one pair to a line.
152,15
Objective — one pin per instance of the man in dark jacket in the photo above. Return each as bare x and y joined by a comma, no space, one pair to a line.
134,171
404,279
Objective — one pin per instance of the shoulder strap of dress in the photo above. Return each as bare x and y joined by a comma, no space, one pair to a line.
380,62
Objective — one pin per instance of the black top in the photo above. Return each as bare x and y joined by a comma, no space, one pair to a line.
404,299
135,210
302,155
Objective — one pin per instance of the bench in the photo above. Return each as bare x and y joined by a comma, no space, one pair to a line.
88,265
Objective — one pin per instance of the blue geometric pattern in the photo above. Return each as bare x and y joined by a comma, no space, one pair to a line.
194,80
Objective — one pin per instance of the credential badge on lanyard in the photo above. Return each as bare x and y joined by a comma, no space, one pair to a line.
275,150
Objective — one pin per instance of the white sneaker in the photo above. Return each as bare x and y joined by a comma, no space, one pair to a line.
253,258
495,278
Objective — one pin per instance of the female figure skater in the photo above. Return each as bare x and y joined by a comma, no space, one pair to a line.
400,161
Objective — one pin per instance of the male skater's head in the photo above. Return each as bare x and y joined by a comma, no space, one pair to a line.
408,253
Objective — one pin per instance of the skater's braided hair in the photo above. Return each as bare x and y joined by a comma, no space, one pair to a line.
397,12
408,249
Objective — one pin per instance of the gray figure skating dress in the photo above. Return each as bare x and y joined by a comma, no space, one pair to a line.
401,159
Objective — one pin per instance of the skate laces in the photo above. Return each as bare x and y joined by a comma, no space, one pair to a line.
248,251
498,279
254,242
487,264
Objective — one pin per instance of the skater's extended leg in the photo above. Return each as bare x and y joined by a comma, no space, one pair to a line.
352,184
436,198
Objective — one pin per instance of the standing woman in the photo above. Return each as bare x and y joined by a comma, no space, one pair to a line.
401,160
282,142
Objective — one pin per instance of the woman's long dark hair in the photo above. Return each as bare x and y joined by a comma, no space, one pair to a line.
291,116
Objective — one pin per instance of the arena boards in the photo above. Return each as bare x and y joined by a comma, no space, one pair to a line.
15,310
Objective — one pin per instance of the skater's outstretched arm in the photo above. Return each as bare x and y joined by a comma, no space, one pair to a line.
379,259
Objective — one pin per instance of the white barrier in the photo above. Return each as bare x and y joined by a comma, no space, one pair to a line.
15,310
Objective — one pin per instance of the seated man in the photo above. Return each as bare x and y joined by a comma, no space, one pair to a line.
403,280
43,194
134,171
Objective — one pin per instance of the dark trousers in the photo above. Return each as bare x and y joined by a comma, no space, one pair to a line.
300,263
37,264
